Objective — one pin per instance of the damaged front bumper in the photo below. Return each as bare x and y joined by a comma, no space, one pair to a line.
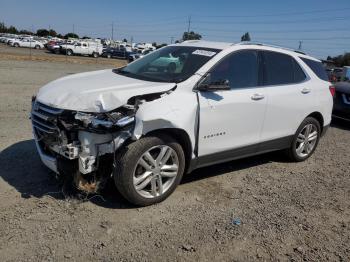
47,160
79,147
92,146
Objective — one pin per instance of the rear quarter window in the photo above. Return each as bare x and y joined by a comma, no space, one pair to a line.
316,67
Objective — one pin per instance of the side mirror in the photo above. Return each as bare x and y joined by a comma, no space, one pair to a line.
209,85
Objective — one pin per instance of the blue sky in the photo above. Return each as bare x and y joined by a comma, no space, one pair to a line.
322,26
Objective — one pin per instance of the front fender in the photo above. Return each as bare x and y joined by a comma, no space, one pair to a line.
177,110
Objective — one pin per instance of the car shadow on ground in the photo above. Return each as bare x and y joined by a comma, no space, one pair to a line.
22,169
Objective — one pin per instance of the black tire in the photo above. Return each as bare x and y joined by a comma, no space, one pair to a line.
69,52
57,51
16,45
292,151
126,162
109,56
94,55
37,47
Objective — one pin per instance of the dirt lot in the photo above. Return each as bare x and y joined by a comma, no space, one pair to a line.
288,211
26,54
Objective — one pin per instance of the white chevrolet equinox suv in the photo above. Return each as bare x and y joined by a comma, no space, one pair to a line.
179,108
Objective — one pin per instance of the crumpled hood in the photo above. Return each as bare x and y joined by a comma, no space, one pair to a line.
96,91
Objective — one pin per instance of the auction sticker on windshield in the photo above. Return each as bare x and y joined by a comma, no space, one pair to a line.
204,52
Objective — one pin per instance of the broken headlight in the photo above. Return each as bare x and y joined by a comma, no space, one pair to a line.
106,120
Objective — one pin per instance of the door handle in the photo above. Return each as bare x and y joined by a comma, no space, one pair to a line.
306,90
257,97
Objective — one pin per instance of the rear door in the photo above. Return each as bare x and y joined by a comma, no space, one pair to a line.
290,97
231,120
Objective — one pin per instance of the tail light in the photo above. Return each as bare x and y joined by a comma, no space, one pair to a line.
332,90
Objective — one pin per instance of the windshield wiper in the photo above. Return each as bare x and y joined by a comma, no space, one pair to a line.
122,72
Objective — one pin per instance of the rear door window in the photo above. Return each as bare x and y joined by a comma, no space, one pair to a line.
316,67
281,69
278,68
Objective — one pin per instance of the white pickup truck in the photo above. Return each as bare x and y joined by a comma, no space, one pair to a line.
82,48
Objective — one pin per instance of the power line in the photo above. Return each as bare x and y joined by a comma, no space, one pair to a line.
280,14
274,31
323,19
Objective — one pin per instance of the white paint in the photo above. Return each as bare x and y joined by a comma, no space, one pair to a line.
82,92
231,116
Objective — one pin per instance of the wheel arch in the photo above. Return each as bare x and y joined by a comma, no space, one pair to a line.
318,116
179,135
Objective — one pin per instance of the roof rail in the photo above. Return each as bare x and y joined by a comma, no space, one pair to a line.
269,45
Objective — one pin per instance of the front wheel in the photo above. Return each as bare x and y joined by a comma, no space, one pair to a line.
305,140
95,55
69,52
37,47
148,170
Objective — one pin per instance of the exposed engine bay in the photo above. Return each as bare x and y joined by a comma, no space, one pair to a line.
84,144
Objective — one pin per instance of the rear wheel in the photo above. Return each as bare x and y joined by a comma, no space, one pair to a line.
305,140
37,47
16,45
109,56
69,52
95,55
149,170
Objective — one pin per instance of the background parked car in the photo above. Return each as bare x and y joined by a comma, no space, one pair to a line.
54,46
116,52
140,54
341,104
346,73
27,42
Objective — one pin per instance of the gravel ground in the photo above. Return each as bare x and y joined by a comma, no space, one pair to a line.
260,208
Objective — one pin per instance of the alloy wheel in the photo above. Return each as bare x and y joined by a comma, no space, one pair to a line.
306,140
156,171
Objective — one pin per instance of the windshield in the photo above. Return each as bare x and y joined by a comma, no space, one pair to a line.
169,64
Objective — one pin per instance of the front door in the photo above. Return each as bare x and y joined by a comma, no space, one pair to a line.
231,120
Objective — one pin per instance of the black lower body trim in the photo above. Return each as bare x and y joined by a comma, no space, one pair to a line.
225,156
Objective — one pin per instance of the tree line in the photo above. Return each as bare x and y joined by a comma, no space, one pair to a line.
340,60
45,33
40,32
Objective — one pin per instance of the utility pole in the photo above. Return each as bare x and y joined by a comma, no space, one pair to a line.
189,24
112,30
300,45
73,29
171,39
30,44
49,30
